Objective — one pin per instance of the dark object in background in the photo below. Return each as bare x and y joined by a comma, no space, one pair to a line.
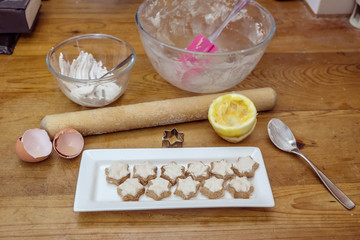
18,16
8,42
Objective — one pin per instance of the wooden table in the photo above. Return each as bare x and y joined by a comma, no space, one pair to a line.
312,62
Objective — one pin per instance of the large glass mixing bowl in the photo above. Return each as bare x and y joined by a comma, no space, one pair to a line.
167,27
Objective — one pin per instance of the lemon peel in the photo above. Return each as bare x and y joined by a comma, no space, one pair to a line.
233,117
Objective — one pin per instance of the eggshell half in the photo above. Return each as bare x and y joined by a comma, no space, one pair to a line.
34,146
68,143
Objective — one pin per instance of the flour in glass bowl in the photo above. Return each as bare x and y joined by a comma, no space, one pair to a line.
85,67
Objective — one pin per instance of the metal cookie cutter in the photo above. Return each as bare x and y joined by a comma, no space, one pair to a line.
172,139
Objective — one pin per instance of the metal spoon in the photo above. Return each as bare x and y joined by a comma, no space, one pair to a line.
283,139
122,63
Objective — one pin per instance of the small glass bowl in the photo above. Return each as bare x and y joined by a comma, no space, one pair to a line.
105,48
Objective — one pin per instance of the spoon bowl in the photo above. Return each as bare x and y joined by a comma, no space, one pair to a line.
283,138
281,135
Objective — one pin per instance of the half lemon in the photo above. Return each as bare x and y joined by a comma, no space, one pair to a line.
233,117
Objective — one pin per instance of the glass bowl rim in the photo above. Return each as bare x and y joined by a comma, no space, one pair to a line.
90,36
241,51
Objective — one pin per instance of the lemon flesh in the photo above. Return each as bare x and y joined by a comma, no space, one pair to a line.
233,116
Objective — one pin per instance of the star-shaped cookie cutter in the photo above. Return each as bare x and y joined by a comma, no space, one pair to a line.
172,139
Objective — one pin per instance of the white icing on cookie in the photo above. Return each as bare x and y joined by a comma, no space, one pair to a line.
222,168
187,186
131,186
173,170
118,170
159,185
214,184
240,184
144,170
198,169
244,164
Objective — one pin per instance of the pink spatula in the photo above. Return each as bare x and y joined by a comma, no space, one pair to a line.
203,44
194,66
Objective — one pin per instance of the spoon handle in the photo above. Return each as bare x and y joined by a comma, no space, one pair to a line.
122,63
333,189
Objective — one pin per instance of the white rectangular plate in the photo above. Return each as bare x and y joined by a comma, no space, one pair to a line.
93,193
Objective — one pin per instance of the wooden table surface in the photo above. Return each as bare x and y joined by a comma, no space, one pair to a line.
313,63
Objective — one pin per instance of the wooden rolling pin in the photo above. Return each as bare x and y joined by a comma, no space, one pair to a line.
147,114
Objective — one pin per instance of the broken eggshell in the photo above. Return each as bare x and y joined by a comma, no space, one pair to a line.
68,143
34,146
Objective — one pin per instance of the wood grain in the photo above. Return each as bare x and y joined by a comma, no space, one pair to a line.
313,64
